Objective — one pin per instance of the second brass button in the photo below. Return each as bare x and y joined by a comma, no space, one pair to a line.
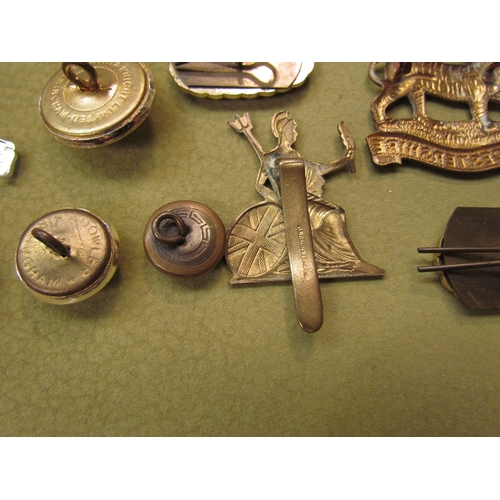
184,239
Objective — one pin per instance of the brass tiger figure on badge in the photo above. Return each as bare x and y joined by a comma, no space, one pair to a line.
475,83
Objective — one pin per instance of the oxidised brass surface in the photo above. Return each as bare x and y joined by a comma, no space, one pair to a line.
308,303
233,80
184,239
92,259
464,146
90,118
257,239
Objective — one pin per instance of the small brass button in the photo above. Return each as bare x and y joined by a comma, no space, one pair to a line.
184,239
67,255
94,104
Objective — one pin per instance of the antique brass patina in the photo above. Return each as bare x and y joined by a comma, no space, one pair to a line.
463,146
468,259
294,234
184,239
233,80
89,105
67,255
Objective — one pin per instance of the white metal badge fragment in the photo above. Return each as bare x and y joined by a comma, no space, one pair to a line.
8,158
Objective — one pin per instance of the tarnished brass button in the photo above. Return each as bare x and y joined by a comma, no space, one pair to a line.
93,104
67,255
184,239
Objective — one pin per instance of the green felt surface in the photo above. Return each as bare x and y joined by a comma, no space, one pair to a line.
154,356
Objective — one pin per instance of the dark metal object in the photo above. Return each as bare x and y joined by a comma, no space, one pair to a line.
469,257
184,239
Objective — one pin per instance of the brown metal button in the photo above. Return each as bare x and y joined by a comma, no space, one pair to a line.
93,104
184,239
67,255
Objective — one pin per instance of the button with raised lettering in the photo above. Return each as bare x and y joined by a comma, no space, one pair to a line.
184,239
67,255
94,104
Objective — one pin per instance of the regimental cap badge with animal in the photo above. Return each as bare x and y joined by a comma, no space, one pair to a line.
294,234
462,146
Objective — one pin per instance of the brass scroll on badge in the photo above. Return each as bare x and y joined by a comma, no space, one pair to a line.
294,234
463,146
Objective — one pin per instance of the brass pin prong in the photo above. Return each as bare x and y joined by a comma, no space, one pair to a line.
451,267
465,265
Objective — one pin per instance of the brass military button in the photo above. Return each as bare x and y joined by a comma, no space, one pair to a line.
93,104
184,239
67,255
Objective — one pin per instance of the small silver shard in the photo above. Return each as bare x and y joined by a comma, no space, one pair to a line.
8,158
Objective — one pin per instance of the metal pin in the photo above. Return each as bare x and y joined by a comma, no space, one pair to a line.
451,267
51,241
465,265
457,249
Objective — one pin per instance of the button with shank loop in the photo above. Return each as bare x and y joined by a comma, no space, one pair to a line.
184,239
67,255
94,104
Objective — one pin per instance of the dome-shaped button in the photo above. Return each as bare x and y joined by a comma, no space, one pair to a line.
94,104
67,255
184,239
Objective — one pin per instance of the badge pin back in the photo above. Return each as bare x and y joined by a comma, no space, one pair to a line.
234,80
468,258
94,104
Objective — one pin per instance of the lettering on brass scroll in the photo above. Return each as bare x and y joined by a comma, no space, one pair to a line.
463,146
257,249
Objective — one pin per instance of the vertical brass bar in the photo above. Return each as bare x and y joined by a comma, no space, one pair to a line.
308,303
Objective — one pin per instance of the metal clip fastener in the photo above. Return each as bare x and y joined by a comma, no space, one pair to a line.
239,79
468,258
